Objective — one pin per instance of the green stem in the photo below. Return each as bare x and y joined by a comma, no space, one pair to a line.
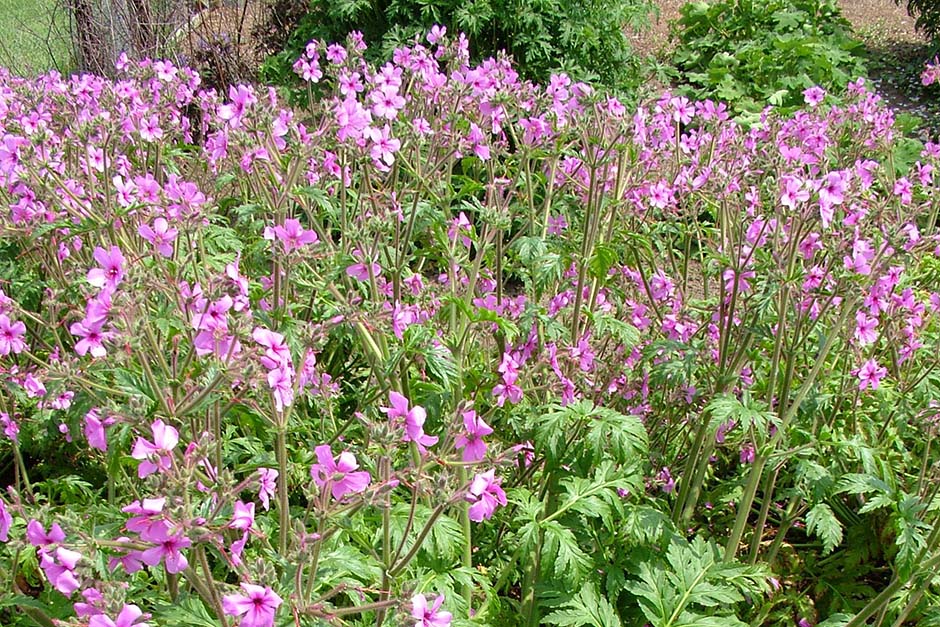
467,529
283,504
22,466
760,459
764,512
884,597
396,570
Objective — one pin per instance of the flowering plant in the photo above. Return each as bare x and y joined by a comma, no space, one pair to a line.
480,349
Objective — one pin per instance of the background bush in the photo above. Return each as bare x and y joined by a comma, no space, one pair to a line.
753,54
927,16
583,38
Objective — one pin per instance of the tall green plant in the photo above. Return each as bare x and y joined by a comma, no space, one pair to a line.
586,39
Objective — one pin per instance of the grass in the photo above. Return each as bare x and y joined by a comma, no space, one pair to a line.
34,36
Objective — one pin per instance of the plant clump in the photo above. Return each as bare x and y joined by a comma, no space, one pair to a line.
446,346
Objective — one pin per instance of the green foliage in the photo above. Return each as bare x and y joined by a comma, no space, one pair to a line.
694,587
586,608
586,39
754,54
822,522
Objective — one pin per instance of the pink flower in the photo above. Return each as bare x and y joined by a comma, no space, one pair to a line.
436,33
277,353
352,119
92,603
794,192
384,146
280,381
747,454
242,97
111,269
292,235
11,336
168,548
59,566
905,189
10,428
6,521
870,375
93,337
130,560
460,225
556,225
682,109
63,400
94,430
336,54
931,73
338,473
429,616
865,326
814,95
484,495
471,441
237,547
243,517
156,456
37,536
309,70
146,514
257,606
668,483
160,235
862,255
360,270
267,485
128,617
150,128
414,420
386,103
509,369
33,386
831,192
214,336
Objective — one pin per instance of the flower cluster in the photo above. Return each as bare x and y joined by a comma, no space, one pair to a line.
931,73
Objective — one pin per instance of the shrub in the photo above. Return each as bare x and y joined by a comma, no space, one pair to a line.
448,347
584,39
926,14
754,54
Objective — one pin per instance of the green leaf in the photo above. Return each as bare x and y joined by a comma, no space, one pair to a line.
561,551
186,612
440,363
623,438
646,525
860,483
823,523
445,540
911,530
588,607
604,257
624,332
694,587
